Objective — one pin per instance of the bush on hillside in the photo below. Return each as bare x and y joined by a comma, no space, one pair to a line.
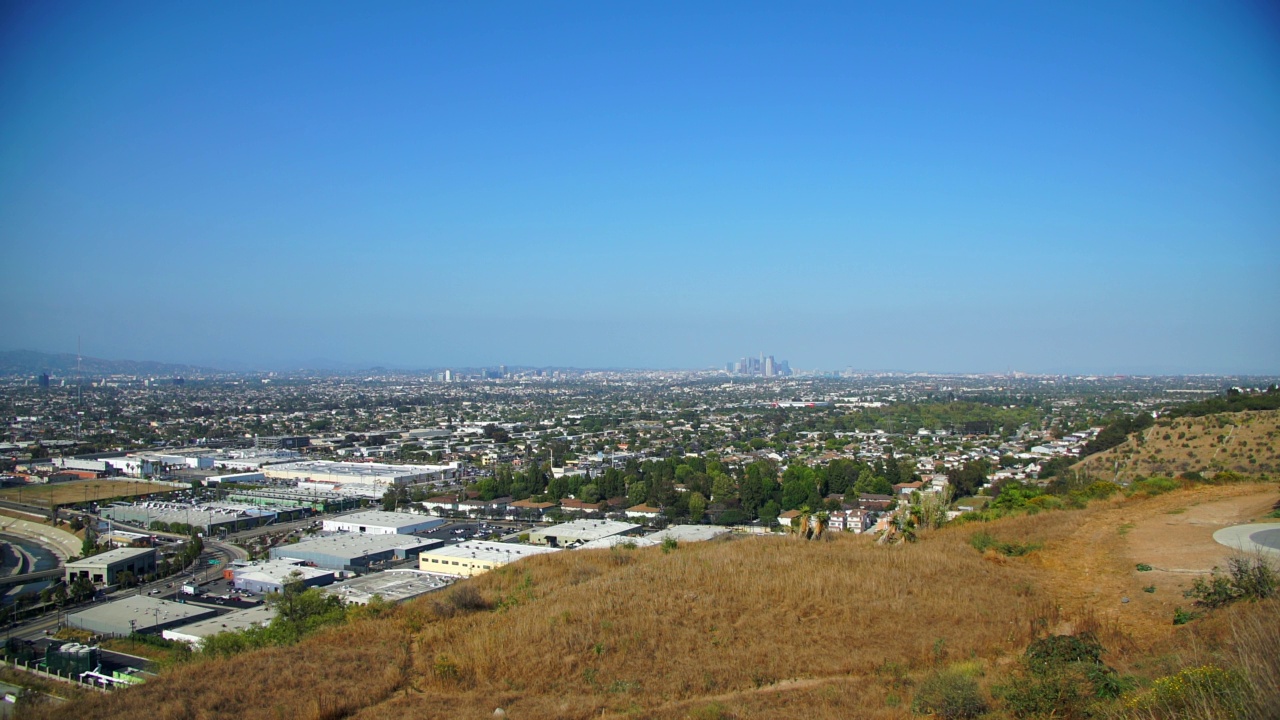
1153,486
1064,676
949,694
1247,578
983,541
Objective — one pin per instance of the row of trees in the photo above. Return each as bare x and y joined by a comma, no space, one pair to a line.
689,487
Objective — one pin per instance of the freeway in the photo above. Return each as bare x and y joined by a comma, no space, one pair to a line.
31,577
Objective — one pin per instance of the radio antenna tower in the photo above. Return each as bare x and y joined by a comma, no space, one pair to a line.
79,390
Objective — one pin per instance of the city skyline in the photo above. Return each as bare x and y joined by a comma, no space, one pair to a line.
923,187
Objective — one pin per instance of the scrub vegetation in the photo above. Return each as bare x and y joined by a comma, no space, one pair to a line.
749,627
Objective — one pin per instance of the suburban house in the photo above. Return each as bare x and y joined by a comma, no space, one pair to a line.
854,520
571,506
868,501
520,508
644,512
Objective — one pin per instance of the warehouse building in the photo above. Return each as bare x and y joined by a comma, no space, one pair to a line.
688,533
353,490
677,533
318,500
194,633
105,568
272,575
380,474
475,557
137,613
210,518
355,552
392,586
245,478
580,531
381,522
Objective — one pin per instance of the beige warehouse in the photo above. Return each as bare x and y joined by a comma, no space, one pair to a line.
475,557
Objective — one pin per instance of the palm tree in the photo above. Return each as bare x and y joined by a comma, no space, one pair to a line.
820,522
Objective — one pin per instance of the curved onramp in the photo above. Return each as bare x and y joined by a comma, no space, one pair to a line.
1261,538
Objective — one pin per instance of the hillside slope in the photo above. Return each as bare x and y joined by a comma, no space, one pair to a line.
744,628
63,365
1241,442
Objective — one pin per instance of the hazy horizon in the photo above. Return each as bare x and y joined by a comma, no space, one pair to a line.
1076,189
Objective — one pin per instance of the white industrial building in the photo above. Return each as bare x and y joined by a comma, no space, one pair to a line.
353,551
678,533
381,522
392,586
475,557
272,575
580,531
378,474
195,633
248,478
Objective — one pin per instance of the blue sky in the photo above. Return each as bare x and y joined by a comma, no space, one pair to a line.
1046,187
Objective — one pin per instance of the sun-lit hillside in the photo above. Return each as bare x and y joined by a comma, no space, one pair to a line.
748,627
1242,442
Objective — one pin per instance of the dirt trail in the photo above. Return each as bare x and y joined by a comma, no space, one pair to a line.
778,687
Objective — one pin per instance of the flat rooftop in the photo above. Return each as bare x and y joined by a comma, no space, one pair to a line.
354,544
490,551
145,610
277,570
585,530
392,586
355,470
112,556
688,533
382,518
231,622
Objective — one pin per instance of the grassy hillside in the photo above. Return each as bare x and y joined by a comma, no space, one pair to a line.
1247,443
743,628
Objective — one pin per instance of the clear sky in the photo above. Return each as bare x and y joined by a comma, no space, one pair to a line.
1087,187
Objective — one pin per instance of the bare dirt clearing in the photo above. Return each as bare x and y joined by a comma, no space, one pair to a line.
1096,567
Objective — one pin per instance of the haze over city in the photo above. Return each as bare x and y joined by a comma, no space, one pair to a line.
1068,188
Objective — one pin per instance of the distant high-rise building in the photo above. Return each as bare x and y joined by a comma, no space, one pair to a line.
762,366
448,376
44,380
502,369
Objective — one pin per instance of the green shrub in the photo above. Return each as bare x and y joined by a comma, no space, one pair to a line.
1182,617
1064,676
1153,486
1047,502
1049,652
949,694
1246,579
1064,693
1100,490
1143,567
983,541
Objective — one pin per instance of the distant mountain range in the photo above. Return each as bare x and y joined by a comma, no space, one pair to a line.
62,365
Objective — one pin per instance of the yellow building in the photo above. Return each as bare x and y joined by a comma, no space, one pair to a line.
474,557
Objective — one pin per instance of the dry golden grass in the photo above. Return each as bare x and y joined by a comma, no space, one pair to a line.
1245,442
79,491
748,628
329,676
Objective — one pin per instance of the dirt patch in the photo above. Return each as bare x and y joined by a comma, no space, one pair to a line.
1095,569
1180,539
